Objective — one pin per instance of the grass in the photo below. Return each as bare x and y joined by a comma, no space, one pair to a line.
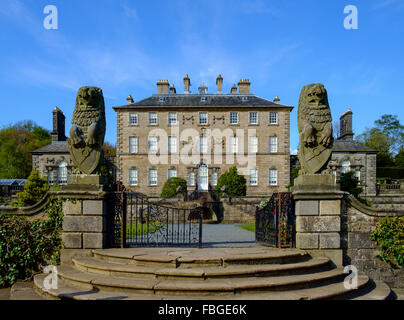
131,229
248,227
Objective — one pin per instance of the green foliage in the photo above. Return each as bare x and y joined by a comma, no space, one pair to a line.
390,173
248,227
389,236
34,190
16,144
171,185
350,184
234,184
399,159
294,173
264,203
26,246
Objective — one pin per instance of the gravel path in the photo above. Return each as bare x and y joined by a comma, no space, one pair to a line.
227,235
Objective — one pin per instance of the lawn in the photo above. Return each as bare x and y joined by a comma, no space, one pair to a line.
131,229
248,227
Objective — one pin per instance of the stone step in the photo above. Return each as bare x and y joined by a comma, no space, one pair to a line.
191,258
98,266
378,291
66,291
191,287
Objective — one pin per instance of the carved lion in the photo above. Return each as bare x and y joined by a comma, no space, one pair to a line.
88,129
315,128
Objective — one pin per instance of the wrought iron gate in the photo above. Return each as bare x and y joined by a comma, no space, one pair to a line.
275,223
134,221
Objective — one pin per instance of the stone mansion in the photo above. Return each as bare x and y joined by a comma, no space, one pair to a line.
198,136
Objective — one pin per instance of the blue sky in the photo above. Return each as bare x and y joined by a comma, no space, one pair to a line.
125,46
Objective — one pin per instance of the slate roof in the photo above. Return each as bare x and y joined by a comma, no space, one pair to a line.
350,146
195,100
54,147
12,182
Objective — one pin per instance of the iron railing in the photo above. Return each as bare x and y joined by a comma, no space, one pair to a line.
275,223
137,222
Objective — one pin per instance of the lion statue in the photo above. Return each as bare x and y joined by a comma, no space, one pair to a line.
315,129
88,130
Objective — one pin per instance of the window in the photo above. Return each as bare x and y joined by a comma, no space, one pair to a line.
153,118
152,177
62,173
273,144
172,144
273,118
253,177
203,144
203,118
233,144
191,178
203,99
50,177
172,173
133,177
273,177
345,166
133,145
253,145
153,144
253,117
233,117
172,118
358,175
133,119
214,178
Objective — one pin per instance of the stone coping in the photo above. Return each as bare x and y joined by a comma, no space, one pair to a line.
374,212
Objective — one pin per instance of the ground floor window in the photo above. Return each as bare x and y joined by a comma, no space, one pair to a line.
152,177
50,177
62,173
253,177
133,177
273,177
191,178
172,173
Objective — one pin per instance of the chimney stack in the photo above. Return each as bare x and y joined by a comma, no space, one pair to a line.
277,100
233,89
244,86
219,83
187,84
345,123
172,89
58,133
162,86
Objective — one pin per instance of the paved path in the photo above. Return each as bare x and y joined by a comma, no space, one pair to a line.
227,235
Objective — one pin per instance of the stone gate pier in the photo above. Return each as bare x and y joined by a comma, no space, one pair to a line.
318,215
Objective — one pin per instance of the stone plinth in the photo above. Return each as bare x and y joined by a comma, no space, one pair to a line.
318,210
84,216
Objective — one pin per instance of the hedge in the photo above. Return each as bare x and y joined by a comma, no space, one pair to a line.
390,172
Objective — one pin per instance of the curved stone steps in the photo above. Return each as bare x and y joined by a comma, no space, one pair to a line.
98,266
191,258
193,287
67,291
378,291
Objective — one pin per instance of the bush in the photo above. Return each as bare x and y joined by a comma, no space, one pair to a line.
350,184
26,246
235,184
264,203
389,236
171,185
34,190
390,172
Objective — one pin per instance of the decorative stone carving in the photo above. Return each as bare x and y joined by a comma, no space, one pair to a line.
88,130
315,129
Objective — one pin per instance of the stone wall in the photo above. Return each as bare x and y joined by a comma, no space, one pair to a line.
387,202
358,250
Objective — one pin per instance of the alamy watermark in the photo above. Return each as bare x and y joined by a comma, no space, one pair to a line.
351,20
351,281
51,20
51,280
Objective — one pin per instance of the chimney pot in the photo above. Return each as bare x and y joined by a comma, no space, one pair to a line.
58,133
129,99
233,89
172,89
277,100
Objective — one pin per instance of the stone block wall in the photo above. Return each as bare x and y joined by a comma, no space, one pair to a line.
358,250
84,224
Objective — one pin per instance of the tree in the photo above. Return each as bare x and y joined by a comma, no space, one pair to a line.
16,144
349,184
234,184
399,159
170,188
390,126
34,190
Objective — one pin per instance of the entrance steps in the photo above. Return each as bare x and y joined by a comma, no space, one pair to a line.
208,274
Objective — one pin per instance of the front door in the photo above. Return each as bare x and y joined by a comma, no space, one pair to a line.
203,178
